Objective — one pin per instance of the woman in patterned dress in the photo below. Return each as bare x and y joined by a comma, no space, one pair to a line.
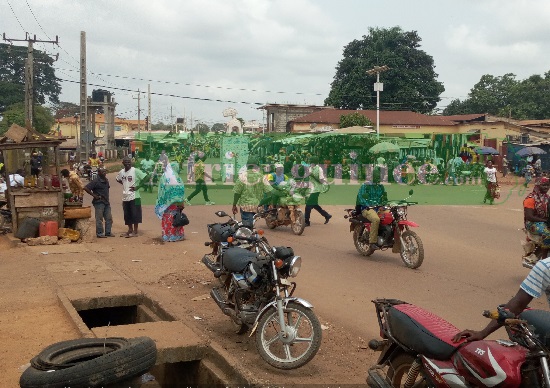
170,202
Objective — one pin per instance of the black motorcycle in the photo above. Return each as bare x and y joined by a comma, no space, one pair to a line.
255,292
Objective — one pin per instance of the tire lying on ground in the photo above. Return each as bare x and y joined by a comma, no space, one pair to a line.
90,362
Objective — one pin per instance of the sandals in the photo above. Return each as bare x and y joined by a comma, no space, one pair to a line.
128,235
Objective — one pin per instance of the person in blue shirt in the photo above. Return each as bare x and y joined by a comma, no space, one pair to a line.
370,197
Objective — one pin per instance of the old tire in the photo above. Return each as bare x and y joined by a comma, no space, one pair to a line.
90,362
300,224
413,253
291,353
362,247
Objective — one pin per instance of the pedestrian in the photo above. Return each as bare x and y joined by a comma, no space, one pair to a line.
36,164
504,166
99,190
72,160
528,173
163,158
130,178
249,191
190,164
75,184
316,185
200,183
491,183
147,165
170,200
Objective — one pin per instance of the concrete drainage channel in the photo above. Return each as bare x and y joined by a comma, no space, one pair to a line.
107,305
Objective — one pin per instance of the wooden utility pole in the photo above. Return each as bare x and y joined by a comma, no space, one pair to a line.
29,73
139,111
84,144
149,107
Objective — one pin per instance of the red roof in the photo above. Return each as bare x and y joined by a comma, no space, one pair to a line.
332,116
469,117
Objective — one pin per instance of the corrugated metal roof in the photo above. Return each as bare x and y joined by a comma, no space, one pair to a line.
469,117
332,116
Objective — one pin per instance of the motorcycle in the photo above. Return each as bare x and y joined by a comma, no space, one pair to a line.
255,291
287,210
417,350
92,173
393,232
532,249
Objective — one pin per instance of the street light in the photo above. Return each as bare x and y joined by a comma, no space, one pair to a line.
378,87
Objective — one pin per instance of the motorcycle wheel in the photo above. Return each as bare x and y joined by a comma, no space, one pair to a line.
301,346
399,367
270,222
299,224
362,247
413,253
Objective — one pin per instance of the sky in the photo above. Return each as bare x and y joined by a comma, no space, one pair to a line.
203,56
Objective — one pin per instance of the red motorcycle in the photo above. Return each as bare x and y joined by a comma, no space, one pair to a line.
393,232
417,350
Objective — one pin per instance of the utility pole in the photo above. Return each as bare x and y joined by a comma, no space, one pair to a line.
139,112
171,120
378,87
149,107
84,144
29,73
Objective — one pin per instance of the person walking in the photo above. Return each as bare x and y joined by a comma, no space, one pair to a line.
130,178
99,190
170,200
316,182
200,183
491,183
190,164
147,165
504,166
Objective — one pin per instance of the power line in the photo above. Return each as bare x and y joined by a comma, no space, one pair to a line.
16,18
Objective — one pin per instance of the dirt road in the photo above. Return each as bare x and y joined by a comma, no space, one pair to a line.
472,263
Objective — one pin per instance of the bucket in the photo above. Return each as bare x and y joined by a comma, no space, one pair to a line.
48,228
28,228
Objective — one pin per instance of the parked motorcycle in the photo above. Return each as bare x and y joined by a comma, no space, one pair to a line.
255,291
393,232
287,211
417,350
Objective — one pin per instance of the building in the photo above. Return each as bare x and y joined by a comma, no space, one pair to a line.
279,116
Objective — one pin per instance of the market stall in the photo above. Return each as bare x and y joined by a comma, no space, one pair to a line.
41,197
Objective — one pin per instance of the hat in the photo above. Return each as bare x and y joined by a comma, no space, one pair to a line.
279,165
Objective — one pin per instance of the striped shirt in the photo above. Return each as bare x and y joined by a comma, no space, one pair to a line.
538,280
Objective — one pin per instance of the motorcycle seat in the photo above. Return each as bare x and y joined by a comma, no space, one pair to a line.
422,331
236,259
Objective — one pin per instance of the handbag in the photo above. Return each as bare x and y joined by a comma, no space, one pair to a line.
180,219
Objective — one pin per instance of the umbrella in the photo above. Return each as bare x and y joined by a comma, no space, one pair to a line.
384,147
484,150
530,151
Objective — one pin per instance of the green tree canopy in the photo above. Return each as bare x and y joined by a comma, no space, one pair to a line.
201,128
66,109
12,76
354,119
409,84
507,97
218,127
43,120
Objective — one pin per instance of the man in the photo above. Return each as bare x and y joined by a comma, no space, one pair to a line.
452,169
130,179
504,166
17,179
369,198
535,212
94,160
316,182
163,158
535,285
190,164
99,190
147,165
275,179
36,164
75,184
249,190
200,183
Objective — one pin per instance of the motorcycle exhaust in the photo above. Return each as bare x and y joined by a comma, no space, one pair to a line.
214,267
226,309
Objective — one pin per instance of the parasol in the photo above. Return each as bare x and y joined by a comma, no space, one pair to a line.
383,147
484,150
530,151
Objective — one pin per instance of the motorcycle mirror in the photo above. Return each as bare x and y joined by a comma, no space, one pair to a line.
221,213
411,192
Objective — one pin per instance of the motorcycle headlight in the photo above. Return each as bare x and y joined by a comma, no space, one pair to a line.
294,266
243,232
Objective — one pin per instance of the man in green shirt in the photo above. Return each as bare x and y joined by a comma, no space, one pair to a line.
249,190
200,173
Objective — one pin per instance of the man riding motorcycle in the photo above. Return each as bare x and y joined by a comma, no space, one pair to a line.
370,197
275,179
535,213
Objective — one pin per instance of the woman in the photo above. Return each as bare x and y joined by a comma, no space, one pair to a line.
170,202
491,183
535,212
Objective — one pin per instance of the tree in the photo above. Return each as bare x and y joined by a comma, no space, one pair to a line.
12,76
42,118
201,128
218,127
409,84
354,119
66,109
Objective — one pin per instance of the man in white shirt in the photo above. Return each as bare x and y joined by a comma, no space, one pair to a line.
17,179
130,179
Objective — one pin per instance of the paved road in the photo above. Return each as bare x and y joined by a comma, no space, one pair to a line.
472,262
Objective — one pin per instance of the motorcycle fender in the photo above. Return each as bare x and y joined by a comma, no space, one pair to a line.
408,223
301,301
